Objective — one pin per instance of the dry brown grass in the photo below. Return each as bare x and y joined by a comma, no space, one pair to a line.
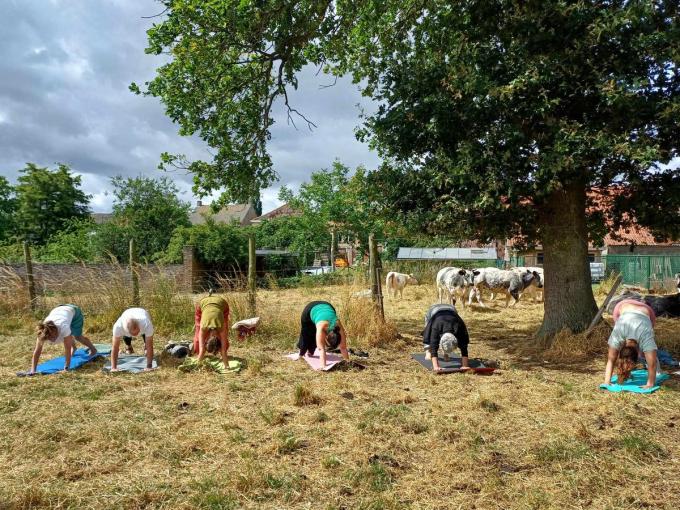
537,435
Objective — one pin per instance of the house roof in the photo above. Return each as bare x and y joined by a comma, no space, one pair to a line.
446,254
283,210
232,213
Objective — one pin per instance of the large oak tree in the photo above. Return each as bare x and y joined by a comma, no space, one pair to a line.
495,117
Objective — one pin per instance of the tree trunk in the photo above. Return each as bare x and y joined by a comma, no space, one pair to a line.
568,294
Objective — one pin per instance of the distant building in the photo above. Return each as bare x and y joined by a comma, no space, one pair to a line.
241,214
100,218
279,212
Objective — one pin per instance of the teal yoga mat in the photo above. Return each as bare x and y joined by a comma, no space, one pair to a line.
637,378
132,364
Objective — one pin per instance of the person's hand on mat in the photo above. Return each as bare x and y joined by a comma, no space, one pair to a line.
647,386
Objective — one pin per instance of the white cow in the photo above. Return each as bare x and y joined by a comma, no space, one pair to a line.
534,291
454,282
395,282
510,283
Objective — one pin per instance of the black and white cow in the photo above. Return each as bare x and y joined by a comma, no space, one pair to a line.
454,282
663,306
535,292
511,283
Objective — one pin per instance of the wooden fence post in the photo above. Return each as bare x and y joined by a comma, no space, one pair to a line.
332,250
252,276
606,301
374,268
134,277
29,275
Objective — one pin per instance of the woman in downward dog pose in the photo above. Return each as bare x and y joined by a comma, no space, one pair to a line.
64,324
444,328
321,329
633,333
211,327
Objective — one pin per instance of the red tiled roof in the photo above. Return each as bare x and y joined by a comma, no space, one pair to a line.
284,210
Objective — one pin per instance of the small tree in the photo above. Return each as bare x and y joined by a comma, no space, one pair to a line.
146,210
7,208
46,201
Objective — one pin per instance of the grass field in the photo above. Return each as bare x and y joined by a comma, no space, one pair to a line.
536,435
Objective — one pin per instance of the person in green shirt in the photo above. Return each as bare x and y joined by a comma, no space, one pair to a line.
321,329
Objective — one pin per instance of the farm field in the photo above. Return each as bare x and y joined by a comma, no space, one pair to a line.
538,434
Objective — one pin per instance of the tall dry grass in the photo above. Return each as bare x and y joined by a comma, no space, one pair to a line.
102,295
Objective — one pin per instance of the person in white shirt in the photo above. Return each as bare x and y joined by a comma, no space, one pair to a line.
133,322
64,324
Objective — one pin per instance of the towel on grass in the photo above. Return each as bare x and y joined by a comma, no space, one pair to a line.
315,361
637,378
132,364
454,365
210,363
55,365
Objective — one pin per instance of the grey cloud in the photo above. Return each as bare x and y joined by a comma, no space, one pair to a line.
66,67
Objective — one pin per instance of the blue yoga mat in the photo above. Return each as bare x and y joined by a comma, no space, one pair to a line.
79,358
637,378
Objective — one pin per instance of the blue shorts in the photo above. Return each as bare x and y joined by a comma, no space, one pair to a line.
77,322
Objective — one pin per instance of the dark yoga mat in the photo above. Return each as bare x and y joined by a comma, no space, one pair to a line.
453,365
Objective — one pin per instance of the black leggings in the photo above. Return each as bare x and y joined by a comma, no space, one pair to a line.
307,340
128,340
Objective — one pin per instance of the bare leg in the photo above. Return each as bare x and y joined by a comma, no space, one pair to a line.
87,343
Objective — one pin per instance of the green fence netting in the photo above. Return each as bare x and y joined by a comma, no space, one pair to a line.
648,271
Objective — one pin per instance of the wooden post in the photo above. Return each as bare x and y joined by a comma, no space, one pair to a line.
134,276
609,297
374,267
332,250
29,275
252,276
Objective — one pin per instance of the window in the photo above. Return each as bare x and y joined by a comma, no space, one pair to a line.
539,259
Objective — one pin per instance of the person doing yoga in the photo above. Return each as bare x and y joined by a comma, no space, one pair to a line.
633,333
64,324
444,328
321,329
133,322
211,332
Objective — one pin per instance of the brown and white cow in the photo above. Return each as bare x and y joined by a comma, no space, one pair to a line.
395,282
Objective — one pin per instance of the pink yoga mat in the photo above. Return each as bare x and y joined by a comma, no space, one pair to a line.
315,361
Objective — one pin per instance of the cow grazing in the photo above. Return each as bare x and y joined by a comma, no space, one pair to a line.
511,283
395,282
663,306
535,292
454,282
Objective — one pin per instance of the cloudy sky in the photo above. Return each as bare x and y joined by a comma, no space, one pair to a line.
65,67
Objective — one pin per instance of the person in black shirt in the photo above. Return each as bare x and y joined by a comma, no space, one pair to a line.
444,328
